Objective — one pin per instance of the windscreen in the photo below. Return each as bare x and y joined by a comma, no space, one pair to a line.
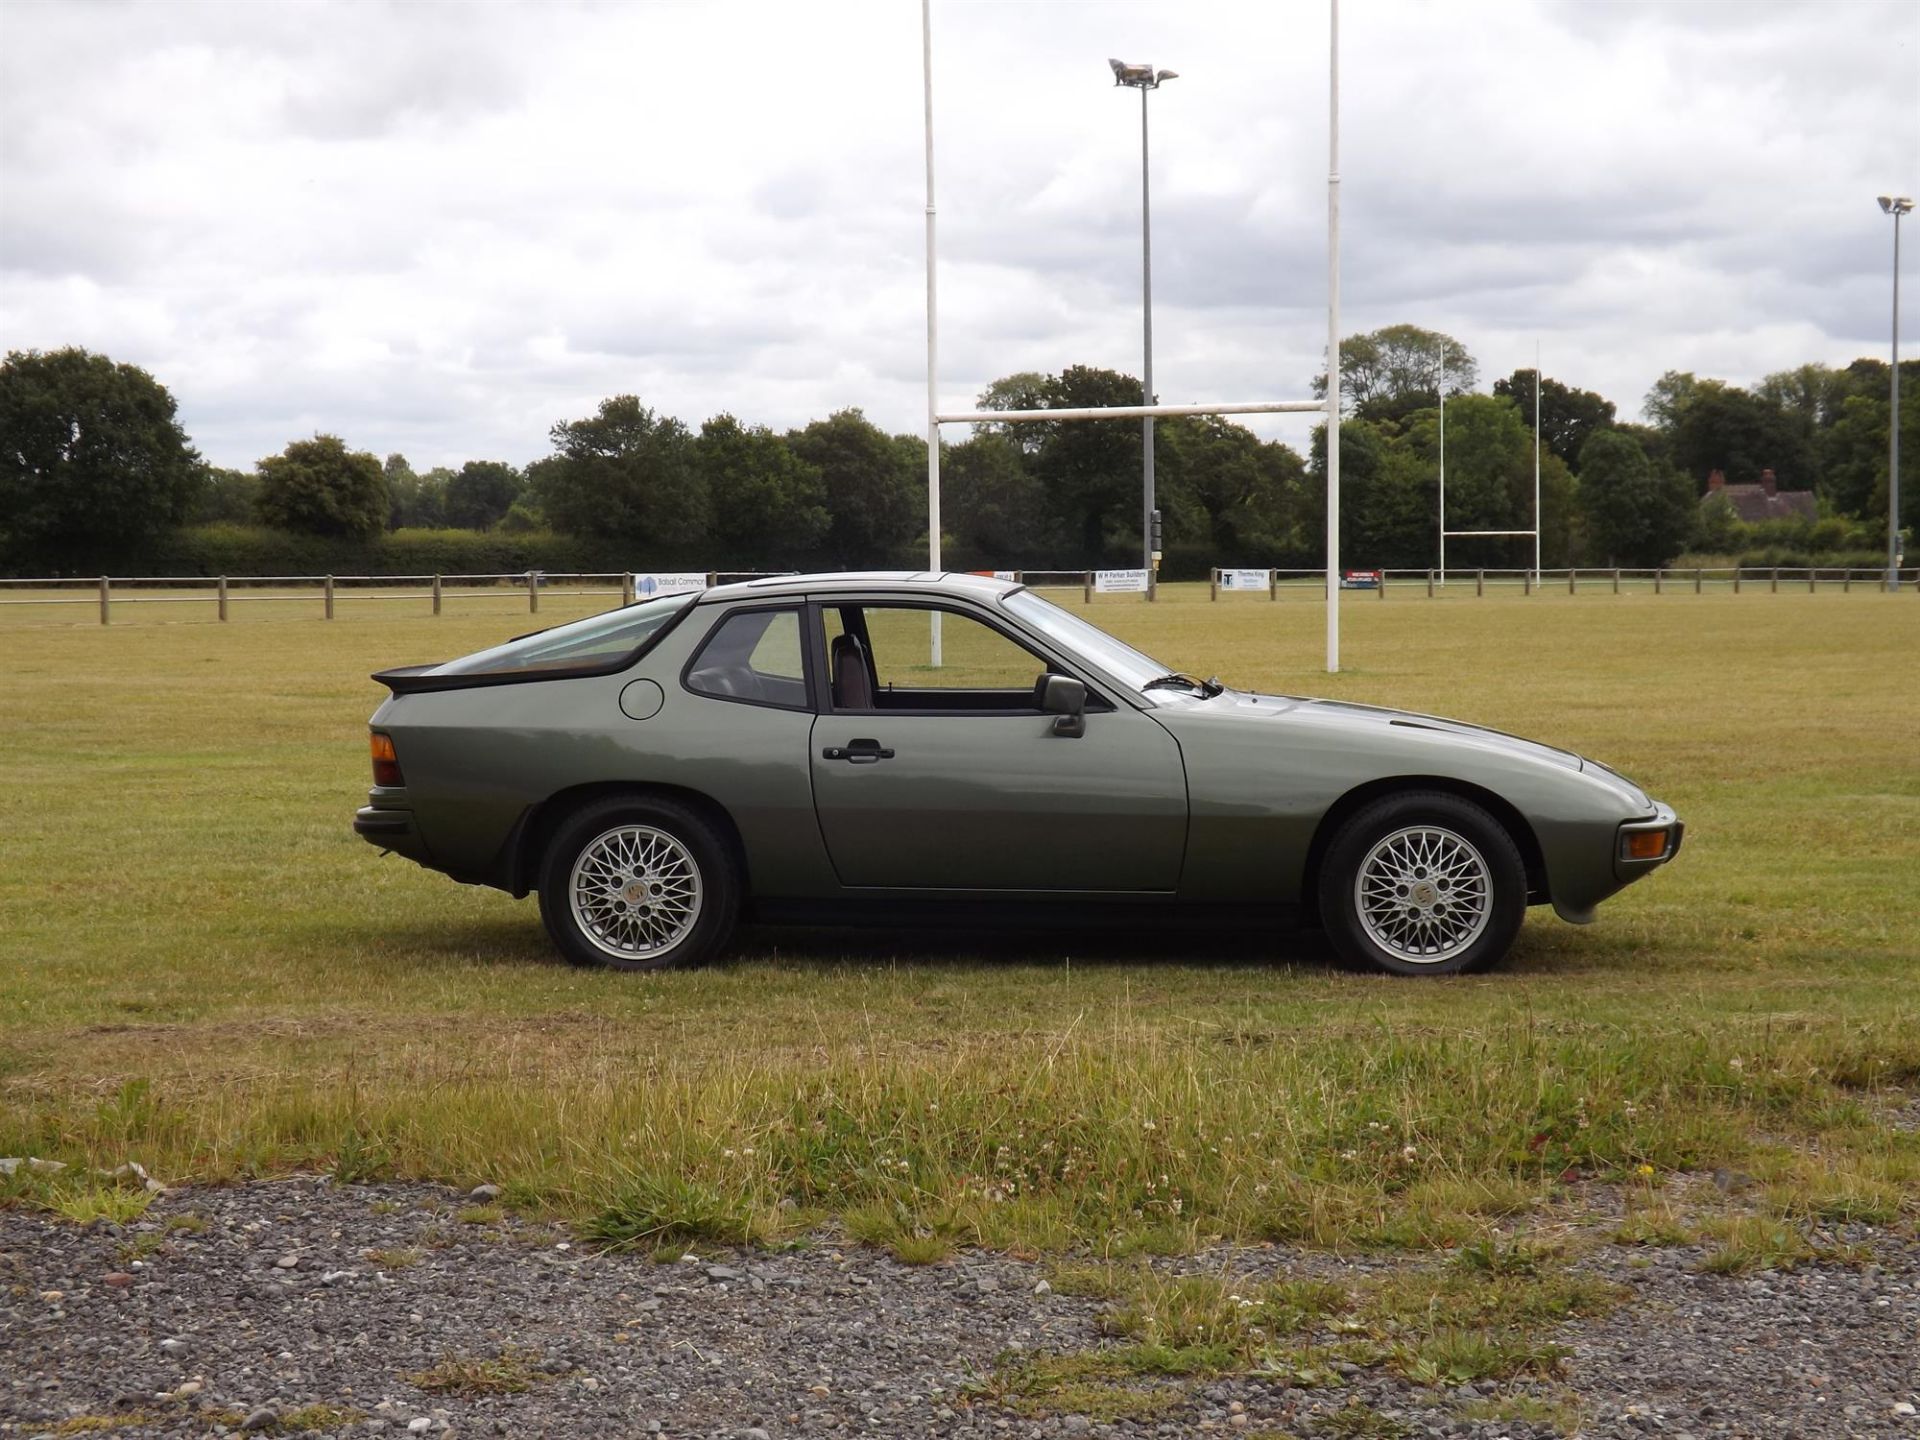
582,645
1119,660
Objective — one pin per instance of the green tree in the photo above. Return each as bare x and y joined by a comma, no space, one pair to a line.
1567,416
993,505
769,506
627,473
417,501
226,497
92,460
875,496
319,487
481,494
1230,490
1722,427
1387,374
1090,469
1634,513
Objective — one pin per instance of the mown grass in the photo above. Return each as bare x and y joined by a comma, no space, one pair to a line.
202,969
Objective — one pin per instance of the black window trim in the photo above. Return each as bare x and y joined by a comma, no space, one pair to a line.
807,668
1097,702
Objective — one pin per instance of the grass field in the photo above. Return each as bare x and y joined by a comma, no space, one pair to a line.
203,970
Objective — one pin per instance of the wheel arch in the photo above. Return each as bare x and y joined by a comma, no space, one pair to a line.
538,825
1502,810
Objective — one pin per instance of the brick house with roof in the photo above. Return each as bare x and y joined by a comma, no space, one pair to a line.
1765,501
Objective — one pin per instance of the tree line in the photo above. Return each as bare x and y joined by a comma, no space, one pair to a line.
95,468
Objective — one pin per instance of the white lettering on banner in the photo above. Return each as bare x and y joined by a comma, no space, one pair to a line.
1006,574
1112,582
645,586
1243,579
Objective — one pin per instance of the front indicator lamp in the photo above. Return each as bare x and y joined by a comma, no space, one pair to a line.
1643,845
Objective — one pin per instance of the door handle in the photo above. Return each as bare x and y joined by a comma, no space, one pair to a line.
858,752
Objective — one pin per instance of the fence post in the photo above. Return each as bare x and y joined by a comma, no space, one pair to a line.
1657,573
626,588
1812,575
1086,587
1846,581
713,578
1382,591
1479,584
1429,584
106,598
1273,584
1526,582
1736,579
1773,581
436,594
222,597
533,592
1573,582
1213,584
1696,579
1616,580
327,596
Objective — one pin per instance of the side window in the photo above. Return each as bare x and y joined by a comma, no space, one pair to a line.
753,655
973,656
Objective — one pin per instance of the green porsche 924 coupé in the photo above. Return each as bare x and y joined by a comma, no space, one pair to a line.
936,746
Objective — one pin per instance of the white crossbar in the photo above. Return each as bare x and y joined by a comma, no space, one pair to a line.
1457,533
1134,412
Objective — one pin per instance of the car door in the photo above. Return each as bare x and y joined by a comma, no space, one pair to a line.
950,777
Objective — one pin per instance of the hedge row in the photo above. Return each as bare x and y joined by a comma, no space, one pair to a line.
236,550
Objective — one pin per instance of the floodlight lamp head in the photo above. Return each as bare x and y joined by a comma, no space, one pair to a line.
1138,77
1166,75
1896,205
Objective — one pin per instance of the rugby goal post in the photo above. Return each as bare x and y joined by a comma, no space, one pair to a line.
936,417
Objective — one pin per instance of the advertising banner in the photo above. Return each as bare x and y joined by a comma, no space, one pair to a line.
646,587
1243,579
1115,582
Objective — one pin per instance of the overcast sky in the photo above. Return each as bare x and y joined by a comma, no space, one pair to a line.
441,228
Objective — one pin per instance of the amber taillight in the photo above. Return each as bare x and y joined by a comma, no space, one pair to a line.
386,765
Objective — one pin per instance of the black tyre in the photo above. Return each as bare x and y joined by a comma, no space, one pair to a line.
1422,883
638,884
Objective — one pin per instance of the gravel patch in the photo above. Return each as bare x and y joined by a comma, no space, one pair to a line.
308,1307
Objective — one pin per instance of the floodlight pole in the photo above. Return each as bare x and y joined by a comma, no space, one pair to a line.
1145,78
1333,339
1536,465
933,331
1443,463
1895,206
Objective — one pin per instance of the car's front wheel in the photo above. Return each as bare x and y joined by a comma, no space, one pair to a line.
1422,883
638,884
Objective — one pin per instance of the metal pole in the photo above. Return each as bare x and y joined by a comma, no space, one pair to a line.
327,598
1333,338
933,332
221,596
1536,462
1893,442
1146,307
1443,463
106,600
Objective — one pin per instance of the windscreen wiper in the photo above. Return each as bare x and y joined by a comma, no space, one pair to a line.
1207,688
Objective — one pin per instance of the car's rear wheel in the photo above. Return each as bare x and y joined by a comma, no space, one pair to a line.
1422,883
638,884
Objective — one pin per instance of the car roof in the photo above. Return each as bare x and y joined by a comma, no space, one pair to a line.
945,582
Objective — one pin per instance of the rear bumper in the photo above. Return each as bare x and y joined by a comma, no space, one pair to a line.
390,830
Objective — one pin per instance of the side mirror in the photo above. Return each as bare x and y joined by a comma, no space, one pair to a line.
1065,698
